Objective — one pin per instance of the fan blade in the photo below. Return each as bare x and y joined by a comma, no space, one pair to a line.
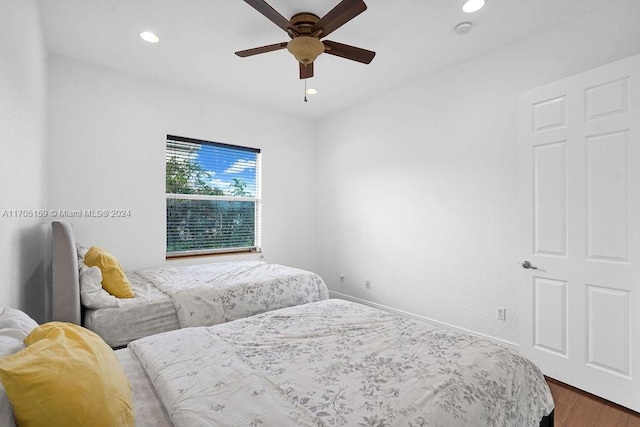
306,71
271,14
261,49
349,52
344,12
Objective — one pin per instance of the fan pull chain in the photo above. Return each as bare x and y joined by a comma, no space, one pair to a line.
305,90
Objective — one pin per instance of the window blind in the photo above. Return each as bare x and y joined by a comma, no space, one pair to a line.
213,198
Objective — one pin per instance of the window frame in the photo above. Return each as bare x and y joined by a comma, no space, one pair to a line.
257,200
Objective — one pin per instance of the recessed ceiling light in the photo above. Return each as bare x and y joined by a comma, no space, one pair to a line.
311,91
150,37
471,6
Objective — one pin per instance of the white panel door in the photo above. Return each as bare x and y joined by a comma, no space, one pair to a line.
579,289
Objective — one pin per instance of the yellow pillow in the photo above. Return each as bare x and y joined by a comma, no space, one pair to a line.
114,280
67,376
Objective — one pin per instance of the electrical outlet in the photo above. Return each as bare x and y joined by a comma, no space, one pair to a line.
367,284
502,313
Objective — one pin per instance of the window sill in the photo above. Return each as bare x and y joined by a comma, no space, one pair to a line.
213,254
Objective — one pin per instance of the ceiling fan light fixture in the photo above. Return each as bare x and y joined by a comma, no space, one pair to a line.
305,49
470,6
311,91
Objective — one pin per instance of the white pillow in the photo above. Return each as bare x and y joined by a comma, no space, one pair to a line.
81,251
9,345
7,418
92,295
15,325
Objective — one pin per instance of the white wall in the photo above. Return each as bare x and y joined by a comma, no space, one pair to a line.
23,241
418,188
107,134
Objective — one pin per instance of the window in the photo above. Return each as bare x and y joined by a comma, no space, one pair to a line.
213,197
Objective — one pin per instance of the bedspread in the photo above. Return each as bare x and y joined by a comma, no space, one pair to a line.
209,294
337,363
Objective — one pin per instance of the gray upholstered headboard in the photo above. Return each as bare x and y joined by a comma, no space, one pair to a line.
65,277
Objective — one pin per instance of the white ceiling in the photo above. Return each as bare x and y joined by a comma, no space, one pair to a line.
412,38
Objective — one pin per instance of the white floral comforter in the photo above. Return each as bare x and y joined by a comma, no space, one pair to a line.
337,363
209,294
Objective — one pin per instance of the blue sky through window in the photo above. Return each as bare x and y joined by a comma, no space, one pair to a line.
225,164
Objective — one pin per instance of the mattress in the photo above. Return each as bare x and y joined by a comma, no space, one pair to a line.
150,312
339,363
173,297
208,294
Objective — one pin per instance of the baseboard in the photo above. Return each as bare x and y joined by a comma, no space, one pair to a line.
508,344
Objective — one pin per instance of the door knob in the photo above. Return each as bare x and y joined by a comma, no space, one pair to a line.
527,264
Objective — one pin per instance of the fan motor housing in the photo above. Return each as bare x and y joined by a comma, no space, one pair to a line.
304,21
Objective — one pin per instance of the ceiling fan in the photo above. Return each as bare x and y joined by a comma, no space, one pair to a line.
306,29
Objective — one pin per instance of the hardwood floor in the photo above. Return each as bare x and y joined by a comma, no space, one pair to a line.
575,408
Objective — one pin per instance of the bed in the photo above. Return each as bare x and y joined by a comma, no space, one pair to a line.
173,297
330,363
